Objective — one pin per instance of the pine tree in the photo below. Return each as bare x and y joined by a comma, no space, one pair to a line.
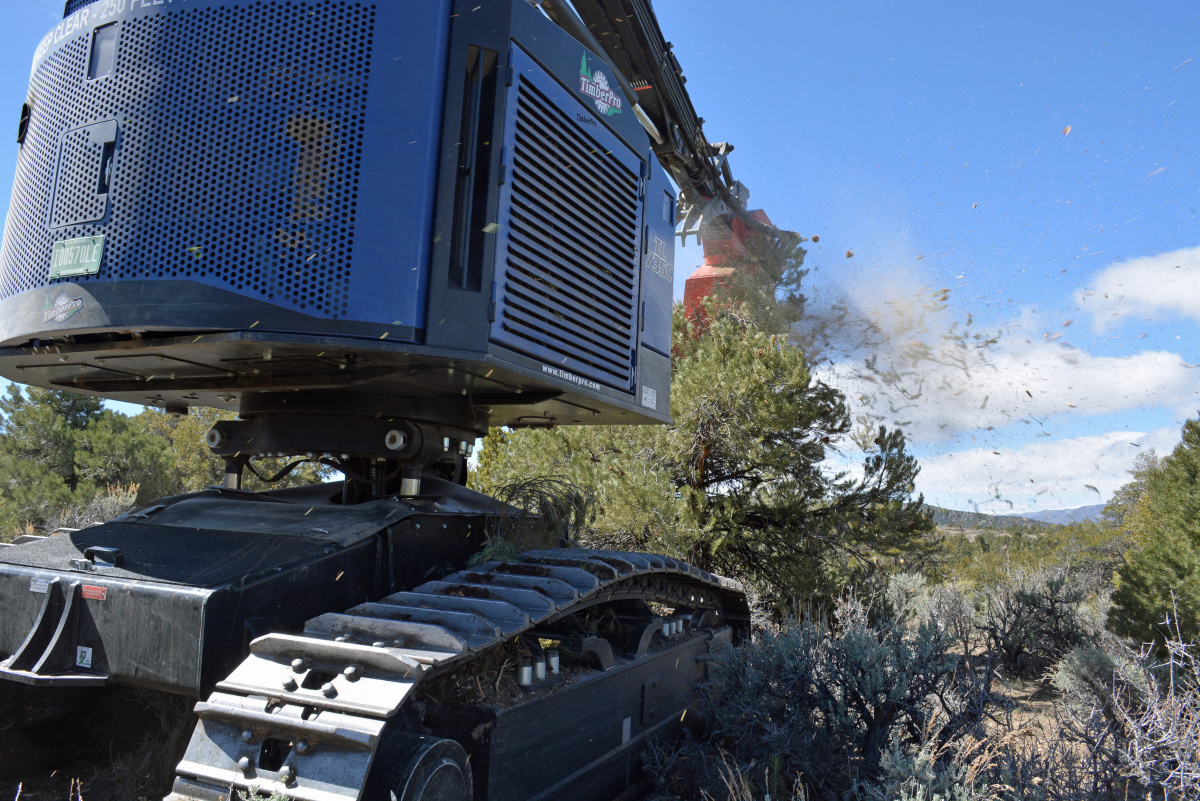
1158,586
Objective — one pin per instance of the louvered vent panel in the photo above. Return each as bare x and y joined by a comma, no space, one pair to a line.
570,292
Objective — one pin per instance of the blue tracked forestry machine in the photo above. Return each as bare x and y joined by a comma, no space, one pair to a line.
372,229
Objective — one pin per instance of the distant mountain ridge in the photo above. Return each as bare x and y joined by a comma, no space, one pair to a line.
967,521
1029,521
1064,516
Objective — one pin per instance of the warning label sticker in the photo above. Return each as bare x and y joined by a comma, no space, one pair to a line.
95,593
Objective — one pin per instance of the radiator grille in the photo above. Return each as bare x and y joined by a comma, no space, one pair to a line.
237,155
570,282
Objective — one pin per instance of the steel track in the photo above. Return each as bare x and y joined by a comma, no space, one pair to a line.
328,693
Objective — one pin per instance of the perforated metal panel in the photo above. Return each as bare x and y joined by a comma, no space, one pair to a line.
571,268
72,6
237,154
84,169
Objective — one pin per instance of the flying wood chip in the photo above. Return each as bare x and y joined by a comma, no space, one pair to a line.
849,254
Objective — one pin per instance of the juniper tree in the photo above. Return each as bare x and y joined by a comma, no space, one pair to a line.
59,449
738,483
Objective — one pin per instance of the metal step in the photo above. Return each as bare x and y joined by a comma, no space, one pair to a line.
320,686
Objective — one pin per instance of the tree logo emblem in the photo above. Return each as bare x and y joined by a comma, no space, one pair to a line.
594,84
61,308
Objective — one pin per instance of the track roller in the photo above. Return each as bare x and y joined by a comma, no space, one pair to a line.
414,767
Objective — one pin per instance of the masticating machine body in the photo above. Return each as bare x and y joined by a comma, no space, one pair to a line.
373,229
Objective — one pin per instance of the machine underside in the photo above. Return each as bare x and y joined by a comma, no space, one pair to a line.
347,651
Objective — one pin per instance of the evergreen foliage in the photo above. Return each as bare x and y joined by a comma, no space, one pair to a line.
766,289
736,484
193,467
1125,500
59,450
535,513
1089,550
66,460
1160,576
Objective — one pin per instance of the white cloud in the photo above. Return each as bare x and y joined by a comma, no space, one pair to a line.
1018,381
894,346
896,351
1038,475
1144,287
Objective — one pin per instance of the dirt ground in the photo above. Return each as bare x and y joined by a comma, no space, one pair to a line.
123,747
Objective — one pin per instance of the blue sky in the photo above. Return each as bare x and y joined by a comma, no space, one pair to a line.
931,140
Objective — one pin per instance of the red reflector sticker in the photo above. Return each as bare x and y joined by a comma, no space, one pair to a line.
95,593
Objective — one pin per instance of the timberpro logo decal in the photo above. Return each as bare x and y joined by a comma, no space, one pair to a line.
595,85
565,376
61,308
